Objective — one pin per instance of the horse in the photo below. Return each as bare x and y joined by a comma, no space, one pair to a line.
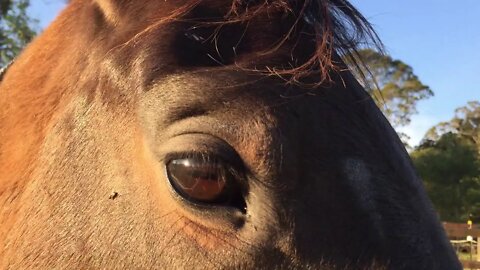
205,134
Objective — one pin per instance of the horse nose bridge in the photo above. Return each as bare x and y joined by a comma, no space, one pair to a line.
285,224
283,215
283,170
293,214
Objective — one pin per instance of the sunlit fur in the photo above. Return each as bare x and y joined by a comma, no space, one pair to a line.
94,106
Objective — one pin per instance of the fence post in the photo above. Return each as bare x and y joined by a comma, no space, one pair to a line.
478,248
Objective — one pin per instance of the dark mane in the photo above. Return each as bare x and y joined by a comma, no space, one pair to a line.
334,30
336,27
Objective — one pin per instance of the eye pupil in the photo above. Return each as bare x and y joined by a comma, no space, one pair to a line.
199,180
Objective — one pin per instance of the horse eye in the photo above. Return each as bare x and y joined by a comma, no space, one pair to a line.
203,180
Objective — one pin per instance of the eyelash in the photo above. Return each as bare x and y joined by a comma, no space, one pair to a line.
234,166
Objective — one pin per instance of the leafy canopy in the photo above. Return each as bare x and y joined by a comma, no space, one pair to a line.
450,169
465,123
16,28
394,86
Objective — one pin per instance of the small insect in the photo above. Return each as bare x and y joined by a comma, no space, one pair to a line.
113,195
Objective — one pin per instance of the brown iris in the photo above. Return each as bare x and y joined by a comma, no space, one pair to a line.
201,179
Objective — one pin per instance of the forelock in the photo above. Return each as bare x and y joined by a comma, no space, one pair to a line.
335,29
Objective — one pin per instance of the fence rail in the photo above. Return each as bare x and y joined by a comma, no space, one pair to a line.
470,264
463,237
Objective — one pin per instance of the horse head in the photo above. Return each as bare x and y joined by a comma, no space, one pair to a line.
205,134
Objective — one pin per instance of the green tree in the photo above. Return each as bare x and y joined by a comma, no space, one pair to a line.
450,169
16,28
394,86
465,123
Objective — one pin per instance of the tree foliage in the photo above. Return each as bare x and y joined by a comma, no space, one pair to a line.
16,28
448,161
393,85
450,169
465,123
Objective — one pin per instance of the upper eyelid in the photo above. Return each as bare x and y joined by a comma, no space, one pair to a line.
236,168
204,156
194,144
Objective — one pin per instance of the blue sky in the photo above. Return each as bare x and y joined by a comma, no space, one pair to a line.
440,39
45,10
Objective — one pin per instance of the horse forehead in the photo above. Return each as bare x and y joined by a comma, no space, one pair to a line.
232,98
230,94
